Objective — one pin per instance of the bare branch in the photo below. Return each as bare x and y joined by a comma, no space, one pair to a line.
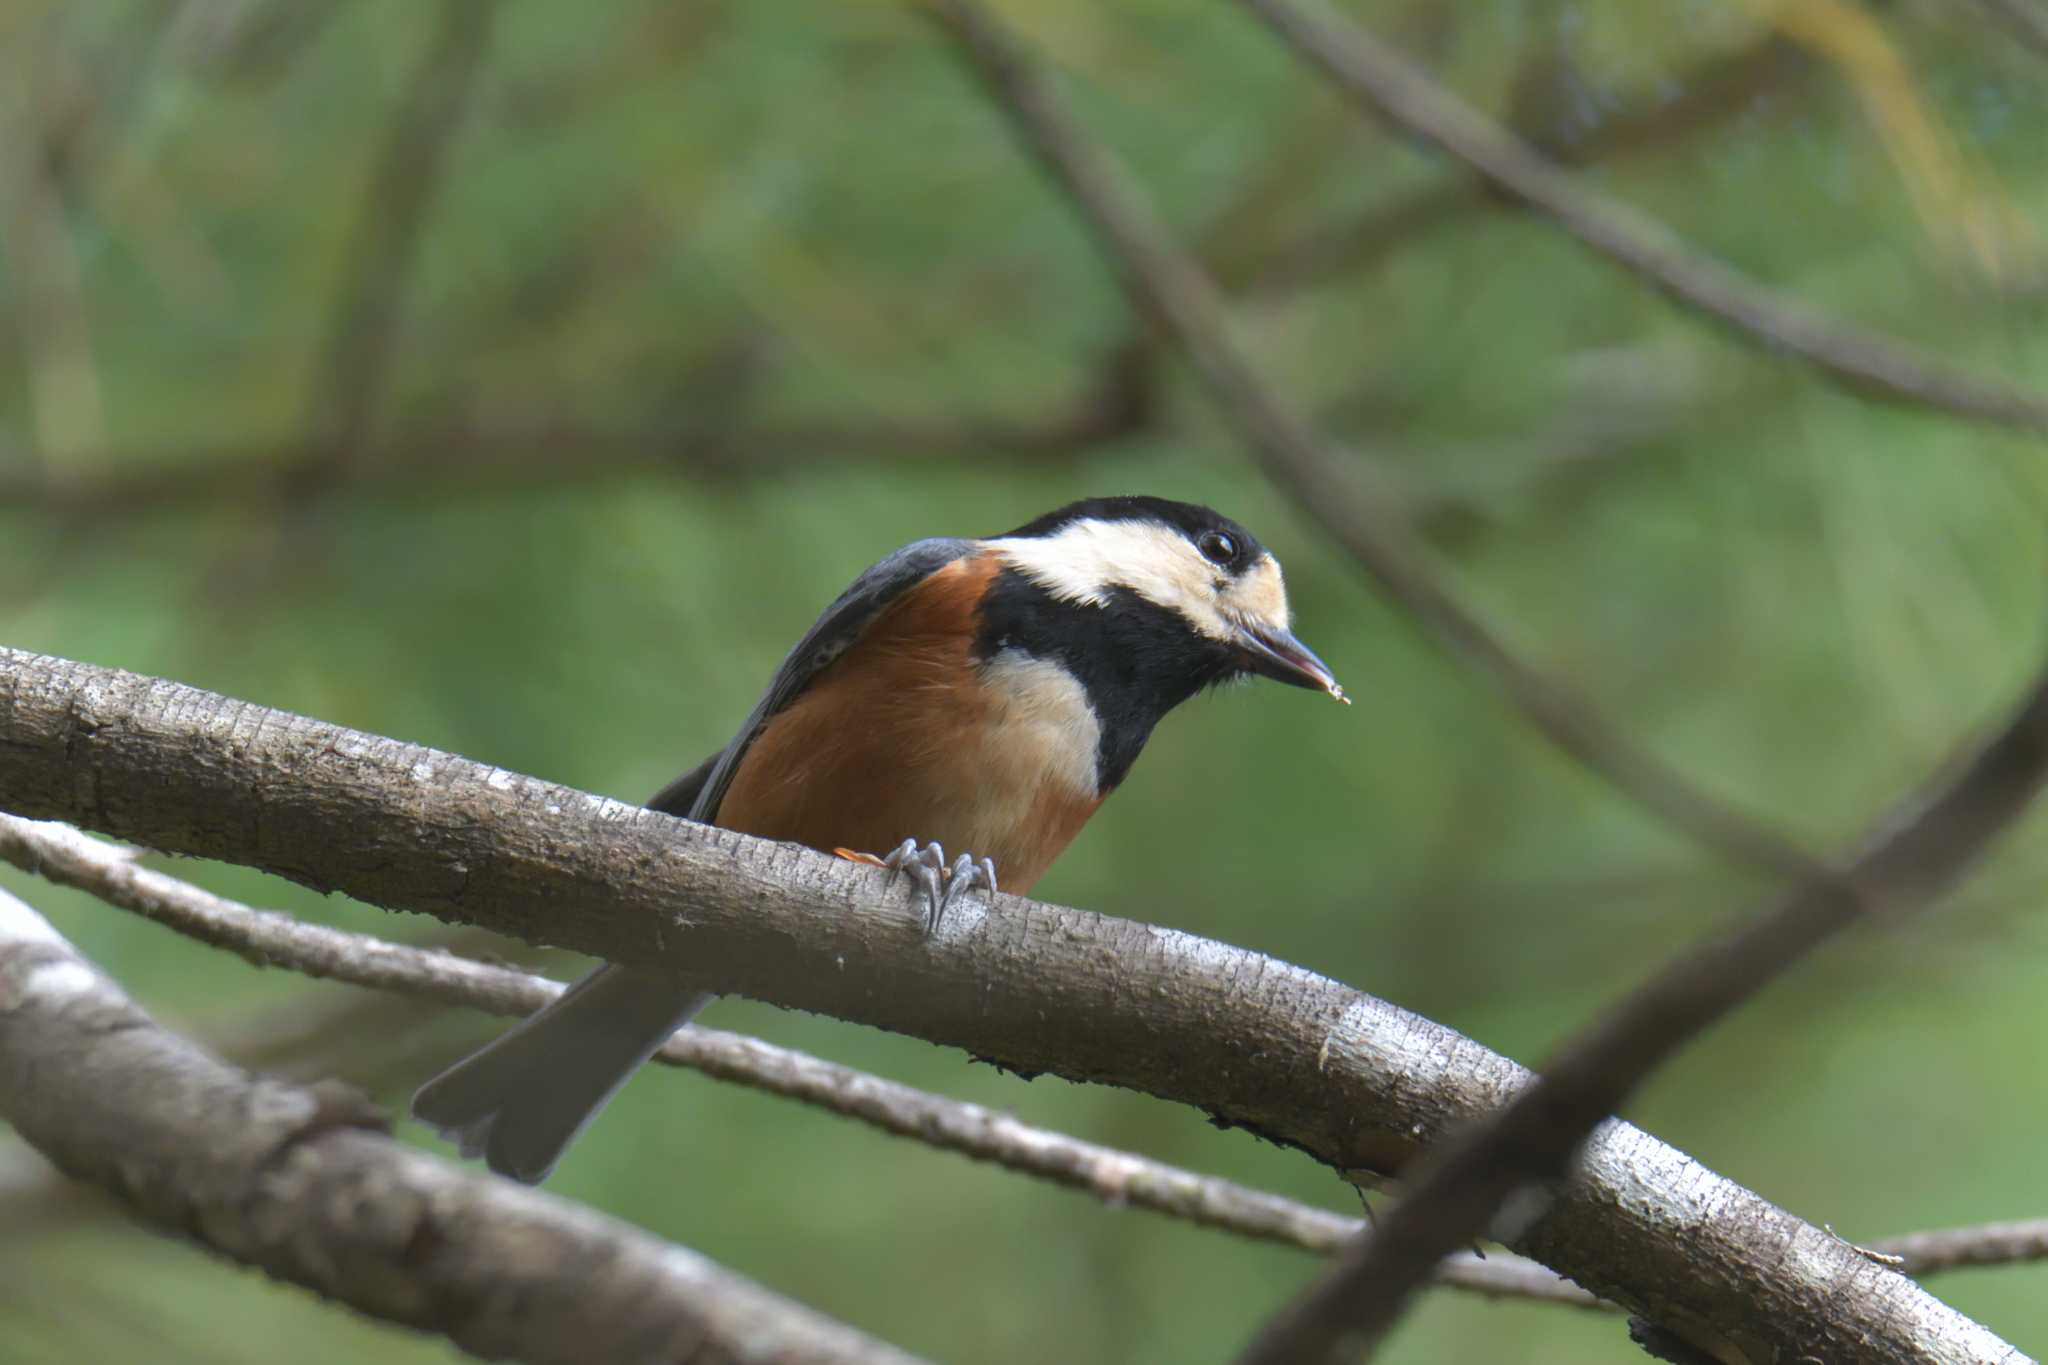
2026,20
1348,1079
1912,855
1386,84
267,938
1928,1253
1169,290
300,1184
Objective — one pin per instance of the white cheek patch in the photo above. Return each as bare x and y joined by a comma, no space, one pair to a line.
1261,595
1086,559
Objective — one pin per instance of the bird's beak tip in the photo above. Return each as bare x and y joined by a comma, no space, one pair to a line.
1277,654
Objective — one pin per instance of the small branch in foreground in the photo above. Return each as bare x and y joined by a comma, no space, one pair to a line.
1345,1078
1912,855
267,938
1918,1254
1167,287
298,1183
1985,1244
66,857
1389,86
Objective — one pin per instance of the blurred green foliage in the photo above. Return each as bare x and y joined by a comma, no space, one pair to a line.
705,307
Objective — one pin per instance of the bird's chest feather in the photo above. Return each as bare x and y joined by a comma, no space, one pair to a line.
908,736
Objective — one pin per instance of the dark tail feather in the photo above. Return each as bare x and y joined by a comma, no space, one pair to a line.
520,1100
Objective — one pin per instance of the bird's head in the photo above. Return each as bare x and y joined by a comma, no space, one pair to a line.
1192,566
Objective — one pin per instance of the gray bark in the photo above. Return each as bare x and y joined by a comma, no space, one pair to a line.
1257,1043
267,938
299,1183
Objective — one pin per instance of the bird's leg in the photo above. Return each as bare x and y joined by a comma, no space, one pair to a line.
926,866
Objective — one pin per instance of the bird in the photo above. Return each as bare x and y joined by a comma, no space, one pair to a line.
984,695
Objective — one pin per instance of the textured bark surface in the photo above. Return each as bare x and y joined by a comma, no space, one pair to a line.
1298,1057
298,1183
268,938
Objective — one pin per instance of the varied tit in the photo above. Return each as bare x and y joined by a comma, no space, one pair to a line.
979,695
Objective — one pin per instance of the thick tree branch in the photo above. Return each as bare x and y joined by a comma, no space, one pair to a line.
1913,855
300,1184
1168,288
265,938
1304,1060
1387,85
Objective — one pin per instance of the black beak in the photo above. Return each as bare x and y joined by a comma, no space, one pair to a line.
1275,653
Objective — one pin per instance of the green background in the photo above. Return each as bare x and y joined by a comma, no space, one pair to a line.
703,308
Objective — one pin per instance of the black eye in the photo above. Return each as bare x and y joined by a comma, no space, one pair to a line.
1217,548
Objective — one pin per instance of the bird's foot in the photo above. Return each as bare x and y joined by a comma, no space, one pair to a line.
942,885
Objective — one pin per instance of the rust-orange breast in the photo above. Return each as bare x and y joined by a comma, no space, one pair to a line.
908,736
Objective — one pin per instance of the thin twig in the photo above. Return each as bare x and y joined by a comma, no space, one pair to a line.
1388,85
267,938
300,1183
1506,1166
1170,291
1710,91
1984,1244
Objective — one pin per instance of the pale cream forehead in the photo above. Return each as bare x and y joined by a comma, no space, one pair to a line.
1086,559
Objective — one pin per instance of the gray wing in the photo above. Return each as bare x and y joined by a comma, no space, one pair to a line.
696,795
680,795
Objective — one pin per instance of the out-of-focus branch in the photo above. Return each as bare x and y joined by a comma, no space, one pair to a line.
1505,1167
1346,1078
2026,20
1171,292
44,118
1116,404
1929,1253
1709,93
267,938
363,339
298,1183
1387,85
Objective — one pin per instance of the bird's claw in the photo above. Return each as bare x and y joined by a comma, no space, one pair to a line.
967,873
942,886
